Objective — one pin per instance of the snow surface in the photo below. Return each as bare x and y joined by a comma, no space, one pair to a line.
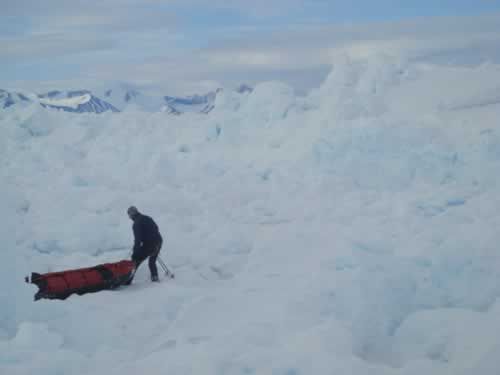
354,231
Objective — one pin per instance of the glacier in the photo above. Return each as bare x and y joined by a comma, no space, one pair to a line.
350,231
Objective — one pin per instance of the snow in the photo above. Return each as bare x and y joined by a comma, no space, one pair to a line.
72,102
352,231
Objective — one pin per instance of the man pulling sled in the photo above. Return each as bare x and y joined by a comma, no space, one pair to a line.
147,244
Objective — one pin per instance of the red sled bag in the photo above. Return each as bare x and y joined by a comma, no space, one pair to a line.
60,285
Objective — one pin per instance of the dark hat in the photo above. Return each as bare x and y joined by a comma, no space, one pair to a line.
132,211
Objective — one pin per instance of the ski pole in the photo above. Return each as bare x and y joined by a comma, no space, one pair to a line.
165,268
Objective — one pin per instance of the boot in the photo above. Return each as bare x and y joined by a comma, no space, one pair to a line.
154,278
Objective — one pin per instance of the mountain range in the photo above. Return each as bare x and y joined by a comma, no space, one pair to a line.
116,99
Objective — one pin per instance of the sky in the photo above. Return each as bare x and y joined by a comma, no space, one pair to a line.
189,46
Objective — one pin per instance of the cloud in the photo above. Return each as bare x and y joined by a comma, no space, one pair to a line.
93,17
37,30
254,8
313,49
144,42
299,47
51,45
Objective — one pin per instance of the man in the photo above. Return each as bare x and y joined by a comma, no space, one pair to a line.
147,240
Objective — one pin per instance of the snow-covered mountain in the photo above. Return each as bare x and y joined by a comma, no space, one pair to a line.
8,99
81,101
126,98
244,89
194,104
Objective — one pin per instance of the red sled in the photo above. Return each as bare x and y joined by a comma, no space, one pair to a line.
60,285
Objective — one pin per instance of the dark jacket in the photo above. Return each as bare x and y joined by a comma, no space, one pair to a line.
146,233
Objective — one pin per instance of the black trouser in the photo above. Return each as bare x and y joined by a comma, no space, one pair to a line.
151,251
